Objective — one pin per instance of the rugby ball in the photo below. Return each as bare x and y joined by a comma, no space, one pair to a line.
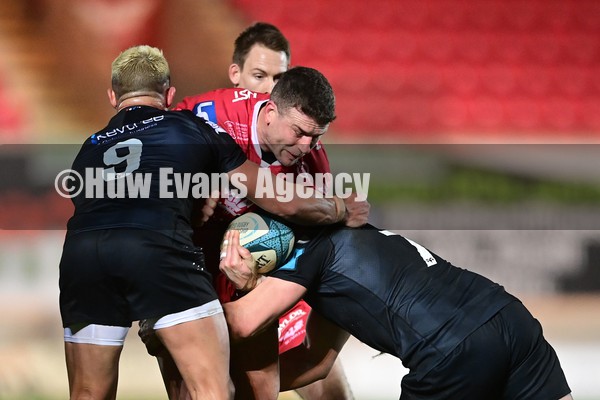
269,240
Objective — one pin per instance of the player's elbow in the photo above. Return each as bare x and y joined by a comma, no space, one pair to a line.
320,372
242,329
240,332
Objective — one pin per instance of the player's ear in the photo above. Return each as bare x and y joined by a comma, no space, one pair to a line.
170,95
270,111
234,74
112,97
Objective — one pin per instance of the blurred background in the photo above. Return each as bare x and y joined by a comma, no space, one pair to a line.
477,120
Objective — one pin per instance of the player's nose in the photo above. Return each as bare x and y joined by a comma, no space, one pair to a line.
305,144
269,85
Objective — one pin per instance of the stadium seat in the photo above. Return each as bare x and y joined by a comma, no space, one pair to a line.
504,66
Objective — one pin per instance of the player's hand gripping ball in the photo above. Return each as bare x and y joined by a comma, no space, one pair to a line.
269,240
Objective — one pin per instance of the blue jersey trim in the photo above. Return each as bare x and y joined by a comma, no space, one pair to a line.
291,264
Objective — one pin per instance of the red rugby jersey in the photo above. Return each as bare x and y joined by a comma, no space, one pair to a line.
236,111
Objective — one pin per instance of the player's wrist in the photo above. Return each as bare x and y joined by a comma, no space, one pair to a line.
340,209
250,284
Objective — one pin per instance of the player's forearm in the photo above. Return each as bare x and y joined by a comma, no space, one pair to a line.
311,209
241,324
304,210
308,211
257,310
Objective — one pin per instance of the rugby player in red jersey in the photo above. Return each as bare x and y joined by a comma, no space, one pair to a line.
261,54
280,132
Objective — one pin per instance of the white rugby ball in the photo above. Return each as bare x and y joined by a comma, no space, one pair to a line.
269,240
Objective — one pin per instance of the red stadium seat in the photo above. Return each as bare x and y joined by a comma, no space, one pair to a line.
589,109
475,46
559,15
584,48
533,80
523,113
523,16
559,113
425,66
399,46
586,16
462,78
544,48
484,16
572,81
452,112
447,15
498,79
438,45
508,47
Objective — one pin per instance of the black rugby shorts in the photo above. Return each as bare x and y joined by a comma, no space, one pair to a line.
116,276
507,358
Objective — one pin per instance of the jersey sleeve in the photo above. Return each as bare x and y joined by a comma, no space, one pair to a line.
306,263
316,161
228,154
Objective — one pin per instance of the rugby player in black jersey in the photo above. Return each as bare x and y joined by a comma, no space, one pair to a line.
128,253
460,335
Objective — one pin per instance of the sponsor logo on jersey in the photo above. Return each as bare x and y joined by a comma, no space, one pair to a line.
293,317
235,205
241,95
108,135
206,110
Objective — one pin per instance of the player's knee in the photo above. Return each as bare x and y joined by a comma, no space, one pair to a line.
266,386
321,372
258,384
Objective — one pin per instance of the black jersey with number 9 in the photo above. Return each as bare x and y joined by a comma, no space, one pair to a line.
145,169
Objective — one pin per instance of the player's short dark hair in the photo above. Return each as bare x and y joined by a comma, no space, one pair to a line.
260,33
307,90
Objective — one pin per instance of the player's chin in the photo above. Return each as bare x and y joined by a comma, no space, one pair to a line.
287,159
290,162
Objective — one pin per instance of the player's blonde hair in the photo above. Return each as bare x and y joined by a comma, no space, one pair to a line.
140,69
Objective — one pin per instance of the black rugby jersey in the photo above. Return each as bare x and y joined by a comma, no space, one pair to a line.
393,294
141,164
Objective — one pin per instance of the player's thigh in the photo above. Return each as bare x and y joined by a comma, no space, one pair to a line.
324,334
200,348
255,367
92,369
